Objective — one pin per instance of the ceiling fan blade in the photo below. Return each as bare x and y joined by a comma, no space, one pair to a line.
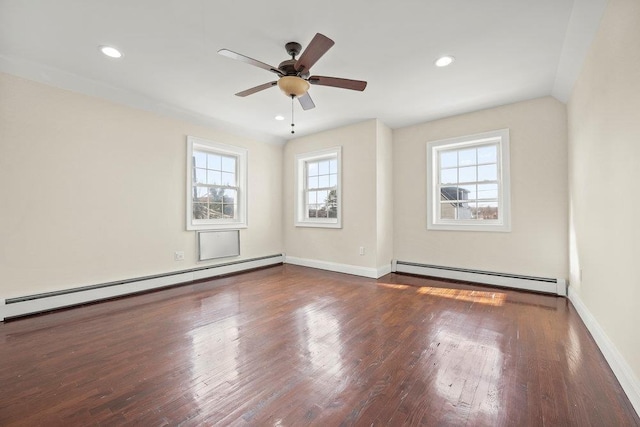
233,55
319,45
338,82
256,89
306,102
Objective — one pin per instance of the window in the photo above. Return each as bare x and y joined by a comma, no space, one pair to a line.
216,185
468,183
318,200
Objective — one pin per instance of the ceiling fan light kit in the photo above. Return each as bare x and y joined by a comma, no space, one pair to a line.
294,77
293,86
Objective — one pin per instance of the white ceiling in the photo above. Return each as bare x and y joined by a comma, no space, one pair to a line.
506,51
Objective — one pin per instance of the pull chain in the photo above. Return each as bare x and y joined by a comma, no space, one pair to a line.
292,125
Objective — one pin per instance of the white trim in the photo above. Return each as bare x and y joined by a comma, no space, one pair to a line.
299,215
385,269
333,266
621,369
85,296
558,288
241,154
503,224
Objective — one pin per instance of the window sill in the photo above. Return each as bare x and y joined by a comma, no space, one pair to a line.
318,224
500,228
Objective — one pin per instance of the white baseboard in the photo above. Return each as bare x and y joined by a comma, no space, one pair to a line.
623,372
554,286
355,270
386,269
55,300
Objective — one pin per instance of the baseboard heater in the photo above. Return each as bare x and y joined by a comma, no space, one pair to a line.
37,303
531,283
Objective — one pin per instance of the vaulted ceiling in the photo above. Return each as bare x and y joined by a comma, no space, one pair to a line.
505,51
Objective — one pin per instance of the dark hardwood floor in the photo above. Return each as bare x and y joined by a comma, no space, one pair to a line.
290,345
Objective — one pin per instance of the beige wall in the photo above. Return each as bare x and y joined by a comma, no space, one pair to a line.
384,195
341,245
92,191
537,244
604,168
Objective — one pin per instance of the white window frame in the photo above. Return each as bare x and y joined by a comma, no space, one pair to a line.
200,144
503,223
301,215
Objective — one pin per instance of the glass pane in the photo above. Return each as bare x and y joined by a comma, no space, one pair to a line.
200,159
323,167
467,157
313,182
228,211
312,211
449,193
488,154
333,166
467,192
487,191
323,181
322,196
215,210
487,210
332,198
448,159
214,162
449,176
312,168
216,195
229,196
201,176
312,197
488,173
322,212
229,164
447,211
333,180
200,211
201,192
468,174
214,178
228,179
333,212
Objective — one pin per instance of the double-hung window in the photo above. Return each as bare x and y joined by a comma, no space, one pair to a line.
216,185
468,183
318,199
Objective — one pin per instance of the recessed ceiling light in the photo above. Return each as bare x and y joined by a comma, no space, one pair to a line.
444,61
279,117
111,51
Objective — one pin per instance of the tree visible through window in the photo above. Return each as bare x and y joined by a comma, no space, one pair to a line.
321,188
318,189
217,185
215,188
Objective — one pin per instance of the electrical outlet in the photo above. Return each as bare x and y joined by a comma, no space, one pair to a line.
361,250
178,256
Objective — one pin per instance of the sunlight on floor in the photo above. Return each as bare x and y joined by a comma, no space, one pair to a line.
490,298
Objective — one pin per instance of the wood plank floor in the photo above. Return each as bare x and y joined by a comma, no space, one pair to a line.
289,345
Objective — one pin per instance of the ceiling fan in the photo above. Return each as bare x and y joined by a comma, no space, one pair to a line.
294,77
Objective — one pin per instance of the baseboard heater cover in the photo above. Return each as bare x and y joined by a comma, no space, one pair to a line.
531,283
37,303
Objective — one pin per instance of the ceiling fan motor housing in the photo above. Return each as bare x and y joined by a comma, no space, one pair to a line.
293,48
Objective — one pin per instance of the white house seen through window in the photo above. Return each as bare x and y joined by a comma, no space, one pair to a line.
469,186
